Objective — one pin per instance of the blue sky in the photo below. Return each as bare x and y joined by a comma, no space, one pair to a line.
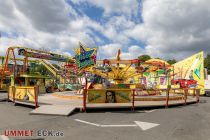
165,29
97,14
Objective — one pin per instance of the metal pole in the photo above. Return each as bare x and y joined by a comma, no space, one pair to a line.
167,97
36,89
185,95
85,94
133,95
167,90
197,95
194,92
13,93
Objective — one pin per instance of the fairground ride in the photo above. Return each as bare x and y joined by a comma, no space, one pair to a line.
12,57
121,70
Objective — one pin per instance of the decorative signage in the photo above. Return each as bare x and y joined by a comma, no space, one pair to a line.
85,57
47,56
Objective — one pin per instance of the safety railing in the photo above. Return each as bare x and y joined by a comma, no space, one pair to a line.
195,94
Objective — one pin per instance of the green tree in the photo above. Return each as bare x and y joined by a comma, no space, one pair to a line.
144,57
171,61
207,63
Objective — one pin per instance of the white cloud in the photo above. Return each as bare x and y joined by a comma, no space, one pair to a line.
115,27
170,29
56,26
133,52
49,24
108,51
48,15
174,29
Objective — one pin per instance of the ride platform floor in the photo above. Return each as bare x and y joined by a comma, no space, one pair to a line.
49,104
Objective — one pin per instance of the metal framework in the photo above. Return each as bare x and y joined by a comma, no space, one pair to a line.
121,70
10,58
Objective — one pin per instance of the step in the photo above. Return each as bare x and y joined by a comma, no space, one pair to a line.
60,110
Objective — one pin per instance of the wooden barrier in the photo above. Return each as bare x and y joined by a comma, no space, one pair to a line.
97,96
24,95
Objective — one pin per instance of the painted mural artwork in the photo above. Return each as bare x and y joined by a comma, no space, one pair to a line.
103,96
95,96
123,96
23,93
152,79
191,68
52,56
85,57
163,81
110,97
143,81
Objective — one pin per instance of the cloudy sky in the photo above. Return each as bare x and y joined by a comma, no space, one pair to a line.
161,28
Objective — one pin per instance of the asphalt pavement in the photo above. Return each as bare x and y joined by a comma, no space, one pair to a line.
190,122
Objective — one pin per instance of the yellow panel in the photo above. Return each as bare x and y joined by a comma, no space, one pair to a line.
109,96
162,86
132,86
96,96
191,68
23,93
175,86
10,92
123,96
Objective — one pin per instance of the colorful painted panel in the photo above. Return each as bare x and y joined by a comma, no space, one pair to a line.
123,96
23,93
154,79
54,57
85,57
96,96
109,96
191,68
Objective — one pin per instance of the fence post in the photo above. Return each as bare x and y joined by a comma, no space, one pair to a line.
84,99
133,98
13,93
9,93
197,95
85,94
36,91
167,96
185,95
194,92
